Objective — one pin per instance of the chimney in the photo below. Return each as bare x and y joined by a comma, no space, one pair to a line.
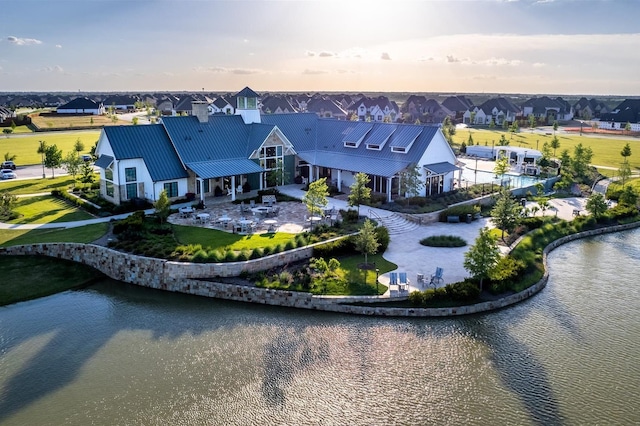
201,110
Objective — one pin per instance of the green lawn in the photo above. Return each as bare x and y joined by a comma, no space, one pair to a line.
36,186
26,147
29,277
18,129
47,209
606,150
80,234
218,239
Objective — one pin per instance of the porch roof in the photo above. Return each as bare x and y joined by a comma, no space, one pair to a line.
441,168
352,163
222,168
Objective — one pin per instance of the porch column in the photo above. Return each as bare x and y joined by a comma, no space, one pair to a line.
339,180
375,183
389,189
233,188
200,183
261,180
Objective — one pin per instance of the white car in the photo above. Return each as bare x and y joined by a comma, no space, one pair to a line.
7,174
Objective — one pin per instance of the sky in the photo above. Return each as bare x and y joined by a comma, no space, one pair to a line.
570,47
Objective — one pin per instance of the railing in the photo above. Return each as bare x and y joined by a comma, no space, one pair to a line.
375,216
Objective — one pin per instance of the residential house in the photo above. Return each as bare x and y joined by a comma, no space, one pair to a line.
412,107
121,102
183,106
81,106
547,110
208,154
276,105
221,106
376,109
497,109
626,112
166,104
458,105
325,107
587,109
6,115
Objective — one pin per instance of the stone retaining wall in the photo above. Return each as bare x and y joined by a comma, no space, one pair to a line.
186,278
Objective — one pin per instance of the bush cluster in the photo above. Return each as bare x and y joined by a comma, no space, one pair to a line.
443,241
78,202
461,211
461,292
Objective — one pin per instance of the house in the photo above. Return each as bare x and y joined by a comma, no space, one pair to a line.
183,105
166,104
325,107
458,105
547,110
81,106
276,105
121,102
376,109
6,114
626,112
497,109
221,106
587,109
213,154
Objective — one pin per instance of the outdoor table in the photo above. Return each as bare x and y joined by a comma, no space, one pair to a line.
261,210
224,220
315,218
185,211
244,223
203,217
272,224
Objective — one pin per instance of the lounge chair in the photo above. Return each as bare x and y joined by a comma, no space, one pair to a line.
393,278
403,282
436,278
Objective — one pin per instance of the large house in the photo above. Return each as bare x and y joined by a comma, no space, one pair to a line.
497,109
547,110
627,112
81,106
209,154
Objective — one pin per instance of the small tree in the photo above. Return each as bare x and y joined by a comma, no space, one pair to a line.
502,166
625,172
13,126
483,256
492,124
596,205
163,206
472,118
628,196
532,122
555,127
627,127
7,132
359,191
7,201
52,158
505,124
10,157
134,121
410,183
316,197
470,140
626,152
87,175
506,212
42,148
78,147
71,164
366,241
555,144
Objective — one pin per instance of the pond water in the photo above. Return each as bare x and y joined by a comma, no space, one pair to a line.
118,354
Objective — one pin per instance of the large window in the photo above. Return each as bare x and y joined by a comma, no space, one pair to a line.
108,173
132,190
271,158
172,189
130,174
109,187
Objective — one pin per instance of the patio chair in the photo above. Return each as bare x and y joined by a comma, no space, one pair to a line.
252,204
403,281
393,278
436,278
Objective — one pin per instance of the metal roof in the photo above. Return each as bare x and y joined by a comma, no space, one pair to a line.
104,161
441,168
380,134
221,168
149,143
247,93
405,136
356,133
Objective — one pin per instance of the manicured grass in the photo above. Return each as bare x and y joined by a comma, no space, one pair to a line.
606,150
80,234
36,186
356,277
68,122
26,147
29,277
47,209
219,239
18,129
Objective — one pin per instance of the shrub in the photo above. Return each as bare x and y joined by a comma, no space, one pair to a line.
200,256
382,235
266,251
416,298
256,253
461,211
244,255
230,256
443,241
349,216
291,244
341,247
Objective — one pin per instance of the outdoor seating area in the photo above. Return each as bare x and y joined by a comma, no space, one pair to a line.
250,217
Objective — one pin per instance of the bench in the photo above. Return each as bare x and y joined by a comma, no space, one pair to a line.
453,219
576,212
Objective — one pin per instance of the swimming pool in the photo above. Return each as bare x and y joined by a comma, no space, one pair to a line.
471,177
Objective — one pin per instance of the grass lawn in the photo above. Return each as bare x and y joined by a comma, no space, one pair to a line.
29,277
47,209
356,277
18,129
64,121
218,239
606,150
36,186
26,147
80,234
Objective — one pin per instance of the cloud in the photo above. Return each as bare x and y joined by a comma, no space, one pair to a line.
326,54
310,53
23,41
385,56
52,69
244,71
314,72
452,59
499,61
224,70
539,64
59,46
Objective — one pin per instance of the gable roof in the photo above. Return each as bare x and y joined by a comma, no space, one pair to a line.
247,93
457,103
149,143
501,104
80,103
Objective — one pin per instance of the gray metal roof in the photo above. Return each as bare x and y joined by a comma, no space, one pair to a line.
441,168
344,161
405,136
380,135
357,132
104,161
221,168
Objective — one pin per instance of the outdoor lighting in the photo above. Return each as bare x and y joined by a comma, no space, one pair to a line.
377,274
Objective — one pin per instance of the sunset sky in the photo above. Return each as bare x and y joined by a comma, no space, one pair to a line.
519,46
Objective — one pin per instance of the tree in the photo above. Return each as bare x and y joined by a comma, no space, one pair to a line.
505,124
134,121
472,118
316,197
42,149
366,241
532,122
7,201
359,191
502,166
555,144
627,127
7,132
580,161
628,196
78,147
277,175
626,152
163,206
624,172
87,174
596,205
52,158
92,151
71,164
10,157
506,212
13,126
410,183
503,140
483,256
555,127
492,124
514,128
470,140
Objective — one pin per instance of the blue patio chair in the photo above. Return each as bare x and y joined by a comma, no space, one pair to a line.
436,278
393,278
404,281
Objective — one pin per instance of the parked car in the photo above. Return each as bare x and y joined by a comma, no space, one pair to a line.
8,165
7,174
86,158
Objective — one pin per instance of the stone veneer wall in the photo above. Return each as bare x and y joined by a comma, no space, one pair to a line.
185,278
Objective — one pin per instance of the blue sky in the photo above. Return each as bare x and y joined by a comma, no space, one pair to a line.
494,46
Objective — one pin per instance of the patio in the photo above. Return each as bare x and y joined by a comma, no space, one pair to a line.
244,218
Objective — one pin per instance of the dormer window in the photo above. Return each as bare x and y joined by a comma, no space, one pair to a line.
374,147
400,149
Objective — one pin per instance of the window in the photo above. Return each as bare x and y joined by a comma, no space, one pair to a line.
171,188
251,103
132,190
130,174
109,188
108,173
206,186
